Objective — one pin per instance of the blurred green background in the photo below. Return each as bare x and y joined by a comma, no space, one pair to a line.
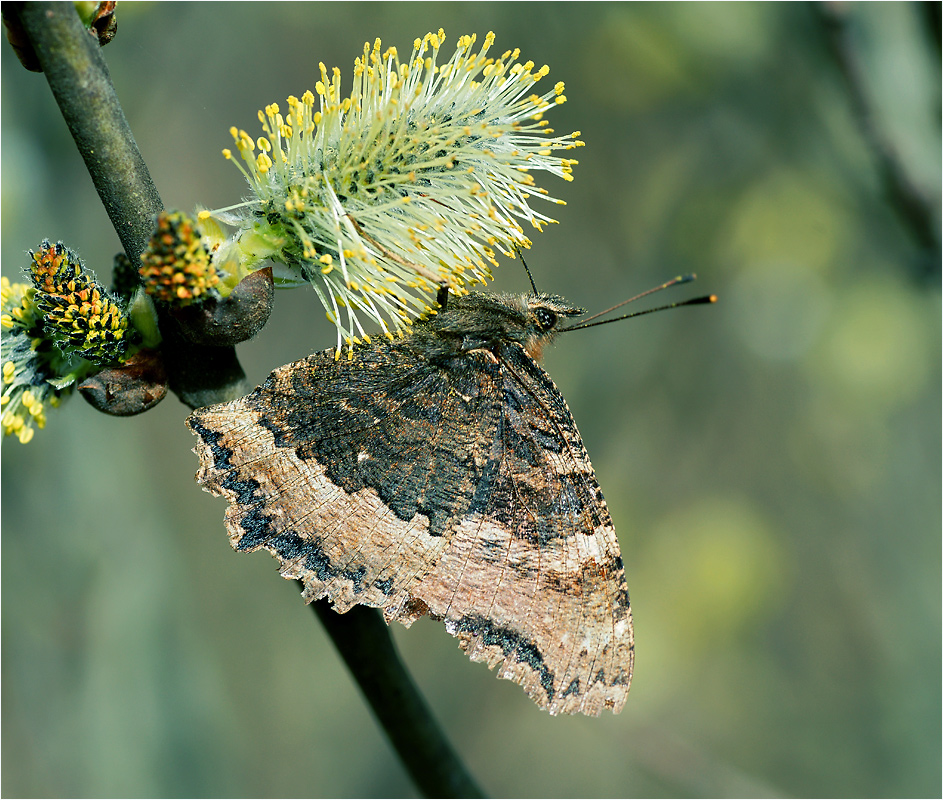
772,463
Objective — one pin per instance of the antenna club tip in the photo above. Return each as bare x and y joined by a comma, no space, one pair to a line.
695,301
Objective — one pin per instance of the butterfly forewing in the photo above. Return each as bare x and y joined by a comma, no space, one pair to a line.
338,471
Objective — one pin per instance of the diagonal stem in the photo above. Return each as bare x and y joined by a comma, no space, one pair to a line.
908,200
79,79
78,76
363,640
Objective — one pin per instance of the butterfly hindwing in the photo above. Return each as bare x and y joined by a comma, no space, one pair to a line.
532,577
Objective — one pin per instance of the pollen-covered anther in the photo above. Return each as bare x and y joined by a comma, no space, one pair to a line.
53,267
387,161
77,314
35,372
176,267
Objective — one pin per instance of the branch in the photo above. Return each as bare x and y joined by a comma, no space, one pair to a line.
71,60
363,640
78,76
931,19
911,204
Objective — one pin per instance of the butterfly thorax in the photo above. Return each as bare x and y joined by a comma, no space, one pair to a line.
488,321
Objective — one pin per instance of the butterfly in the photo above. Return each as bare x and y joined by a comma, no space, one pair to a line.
439,473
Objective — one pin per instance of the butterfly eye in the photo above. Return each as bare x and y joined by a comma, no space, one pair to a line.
546,318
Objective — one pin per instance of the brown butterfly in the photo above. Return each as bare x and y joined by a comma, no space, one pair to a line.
441,473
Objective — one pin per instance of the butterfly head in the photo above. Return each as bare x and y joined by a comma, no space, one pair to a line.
545,315
481,321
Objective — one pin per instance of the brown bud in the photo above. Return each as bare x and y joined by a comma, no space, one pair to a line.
234,319
137,385
22,46
98,18
104,24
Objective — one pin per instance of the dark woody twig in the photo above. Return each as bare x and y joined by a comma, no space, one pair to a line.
78,76
71,60
79,79
362,638
932,18
910,203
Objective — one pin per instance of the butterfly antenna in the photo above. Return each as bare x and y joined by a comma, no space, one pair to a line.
527,270
694,301
673,282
